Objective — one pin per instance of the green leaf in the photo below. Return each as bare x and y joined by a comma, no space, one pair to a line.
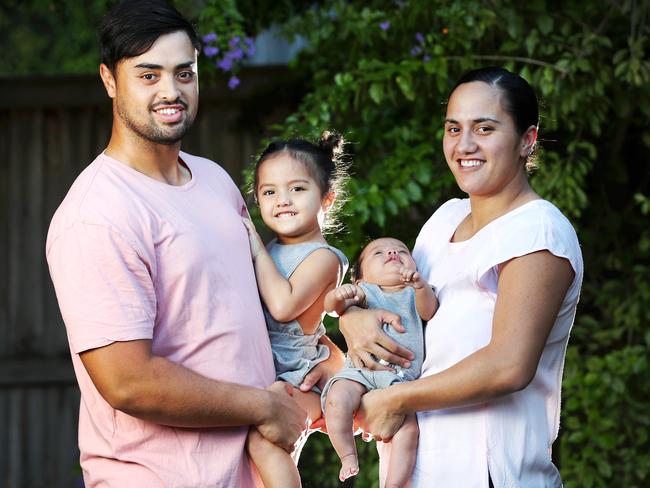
545,23
376,92
404,83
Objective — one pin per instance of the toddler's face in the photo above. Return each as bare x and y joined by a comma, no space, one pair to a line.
382,260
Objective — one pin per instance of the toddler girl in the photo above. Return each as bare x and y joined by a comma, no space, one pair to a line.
295,184
387,278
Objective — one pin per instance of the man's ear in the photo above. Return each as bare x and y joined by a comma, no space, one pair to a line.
108,79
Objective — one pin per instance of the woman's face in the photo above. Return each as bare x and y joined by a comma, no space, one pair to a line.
481,144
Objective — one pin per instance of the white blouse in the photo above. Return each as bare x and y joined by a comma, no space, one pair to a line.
512,435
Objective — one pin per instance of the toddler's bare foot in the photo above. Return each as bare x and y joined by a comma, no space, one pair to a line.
349,467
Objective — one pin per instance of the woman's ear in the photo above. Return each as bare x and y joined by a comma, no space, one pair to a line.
328,201
528,141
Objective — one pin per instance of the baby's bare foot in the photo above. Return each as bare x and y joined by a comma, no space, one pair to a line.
349,467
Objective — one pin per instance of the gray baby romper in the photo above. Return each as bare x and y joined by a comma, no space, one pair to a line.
401,302
294,353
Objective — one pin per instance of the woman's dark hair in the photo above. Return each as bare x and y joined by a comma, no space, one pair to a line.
519,97
323,161
132,26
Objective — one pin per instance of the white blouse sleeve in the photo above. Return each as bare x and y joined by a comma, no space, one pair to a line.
539,228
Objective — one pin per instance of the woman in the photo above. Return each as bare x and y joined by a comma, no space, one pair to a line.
507,269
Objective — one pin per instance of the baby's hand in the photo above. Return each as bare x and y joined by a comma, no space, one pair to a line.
254,238
413,278
349,291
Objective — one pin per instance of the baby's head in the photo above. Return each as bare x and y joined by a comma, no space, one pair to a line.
381,260
319,163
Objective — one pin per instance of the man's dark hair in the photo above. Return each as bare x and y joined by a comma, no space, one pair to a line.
131,28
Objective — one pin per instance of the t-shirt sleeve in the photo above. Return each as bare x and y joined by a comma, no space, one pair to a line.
529,233
103,286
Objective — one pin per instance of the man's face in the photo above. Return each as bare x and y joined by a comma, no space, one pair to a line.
156,94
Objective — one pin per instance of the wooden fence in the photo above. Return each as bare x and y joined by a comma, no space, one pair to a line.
50,129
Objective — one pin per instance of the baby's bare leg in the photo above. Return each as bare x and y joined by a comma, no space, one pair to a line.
342,402
274,464
403,452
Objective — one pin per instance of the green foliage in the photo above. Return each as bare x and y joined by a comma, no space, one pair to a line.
379,71
49,36
54,37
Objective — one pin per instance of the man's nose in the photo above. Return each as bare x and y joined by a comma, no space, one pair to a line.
168,88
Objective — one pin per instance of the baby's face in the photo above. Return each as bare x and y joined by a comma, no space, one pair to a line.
382,260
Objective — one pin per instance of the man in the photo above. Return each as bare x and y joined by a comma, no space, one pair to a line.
151,266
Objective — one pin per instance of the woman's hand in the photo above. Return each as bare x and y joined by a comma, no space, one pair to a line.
367,342
376,416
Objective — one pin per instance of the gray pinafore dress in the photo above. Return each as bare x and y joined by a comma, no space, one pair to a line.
294,353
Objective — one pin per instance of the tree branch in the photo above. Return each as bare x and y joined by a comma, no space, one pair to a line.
498,57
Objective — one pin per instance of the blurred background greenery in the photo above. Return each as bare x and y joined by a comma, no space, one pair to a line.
379,72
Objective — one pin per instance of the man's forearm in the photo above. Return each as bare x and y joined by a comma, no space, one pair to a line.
170,394
153,388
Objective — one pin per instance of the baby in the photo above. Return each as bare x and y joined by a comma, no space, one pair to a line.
386,277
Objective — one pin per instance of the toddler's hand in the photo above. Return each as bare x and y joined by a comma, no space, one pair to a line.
349,291
413,278
254,238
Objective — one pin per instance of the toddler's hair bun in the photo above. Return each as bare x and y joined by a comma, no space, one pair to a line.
332,144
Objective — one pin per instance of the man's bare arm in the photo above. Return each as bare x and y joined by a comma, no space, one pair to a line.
133,380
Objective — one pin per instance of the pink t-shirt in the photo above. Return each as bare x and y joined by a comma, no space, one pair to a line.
134,258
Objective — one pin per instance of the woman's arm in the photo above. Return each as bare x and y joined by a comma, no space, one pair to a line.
284,298
531,291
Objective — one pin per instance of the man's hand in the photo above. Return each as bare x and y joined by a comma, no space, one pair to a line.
366,339
285,420
254,238
375,417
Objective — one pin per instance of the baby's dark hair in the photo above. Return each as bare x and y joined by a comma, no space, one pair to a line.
324,162
355,269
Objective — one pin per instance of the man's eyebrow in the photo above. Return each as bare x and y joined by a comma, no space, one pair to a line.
187,64
486,119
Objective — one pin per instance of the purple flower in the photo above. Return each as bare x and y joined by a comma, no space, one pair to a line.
210,51
416,51
225,64
426,57
250,46
234,42
419,37
384,26
235,54
211,37
233,82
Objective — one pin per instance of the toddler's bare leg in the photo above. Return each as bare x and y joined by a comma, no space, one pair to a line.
310,403
274,464
403,452
342,402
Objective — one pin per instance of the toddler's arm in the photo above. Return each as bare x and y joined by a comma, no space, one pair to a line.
341,298
285,298
426,302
